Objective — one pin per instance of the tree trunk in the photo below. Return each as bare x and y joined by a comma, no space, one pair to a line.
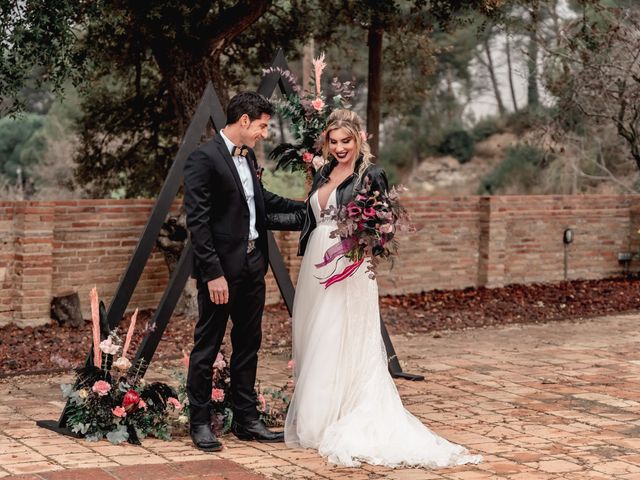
533,98
186,68
492,75
170,242
556,21
65,309
374,85
510,71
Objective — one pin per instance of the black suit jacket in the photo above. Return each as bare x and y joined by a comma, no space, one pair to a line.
218,213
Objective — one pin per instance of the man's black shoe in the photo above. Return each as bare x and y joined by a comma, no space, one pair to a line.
204,439
255,430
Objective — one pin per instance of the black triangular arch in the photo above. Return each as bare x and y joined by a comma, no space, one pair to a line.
209,109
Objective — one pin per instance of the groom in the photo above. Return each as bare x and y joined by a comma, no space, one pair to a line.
227,209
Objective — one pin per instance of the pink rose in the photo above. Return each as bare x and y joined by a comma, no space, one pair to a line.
317,162
219,364
142,404
101,388
217,395
108,347
119,412
307,157
387,228
263,403
174,402
318,104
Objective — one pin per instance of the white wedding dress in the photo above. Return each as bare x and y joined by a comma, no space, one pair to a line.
345,403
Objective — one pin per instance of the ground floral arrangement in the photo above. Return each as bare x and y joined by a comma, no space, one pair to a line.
272,403
110,399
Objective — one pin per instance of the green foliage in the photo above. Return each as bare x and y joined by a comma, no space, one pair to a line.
486,127
399,150
525,120
458,143
22,143
41,145
39,33
284,183
307,122
143,65
521,167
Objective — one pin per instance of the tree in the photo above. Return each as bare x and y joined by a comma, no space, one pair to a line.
597,73
409,23
486,36
141,67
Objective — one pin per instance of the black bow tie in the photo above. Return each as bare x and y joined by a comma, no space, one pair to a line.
242,151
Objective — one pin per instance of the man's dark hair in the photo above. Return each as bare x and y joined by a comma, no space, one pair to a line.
251,103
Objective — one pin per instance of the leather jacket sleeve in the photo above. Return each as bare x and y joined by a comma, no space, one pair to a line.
378,178
287,221
277,204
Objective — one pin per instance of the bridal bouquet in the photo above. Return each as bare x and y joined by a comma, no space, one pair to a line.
109,398
366,228
308,111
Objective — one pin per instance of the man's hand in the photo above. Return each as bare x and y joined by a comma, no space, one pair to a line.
218,290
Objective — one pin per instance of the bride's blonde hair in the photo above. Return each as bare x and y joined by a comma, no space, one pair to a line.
352,123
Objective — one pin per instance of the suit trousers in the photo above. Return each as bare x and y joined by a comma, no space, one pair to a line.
245,307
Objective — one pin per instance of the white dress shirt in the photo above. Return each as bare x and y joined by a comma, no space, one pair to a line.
244,172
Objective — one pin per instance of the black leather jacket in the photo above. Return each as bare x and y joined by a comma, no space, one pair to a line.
345,192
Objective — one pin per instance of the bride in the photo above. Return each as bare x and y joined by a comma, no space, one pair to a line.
345,403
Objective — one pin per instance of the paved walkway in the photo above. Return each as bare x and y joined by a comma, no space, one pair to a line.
553,401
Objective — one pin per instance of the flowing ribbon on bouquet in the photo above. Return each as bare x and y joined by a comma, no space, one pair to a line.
347,272
338,249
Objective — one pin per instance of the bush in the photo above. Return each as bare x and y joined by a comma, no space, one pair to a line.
284,183
459,144
398,152
22,143
521,167
486,127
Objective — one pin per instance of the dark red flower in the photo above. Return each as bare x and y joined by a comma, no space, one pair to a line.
369,212
130,400
353,210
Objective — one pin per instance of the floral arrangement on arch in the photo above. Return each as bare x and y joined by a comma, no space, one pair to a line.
110,399
272,411
308,110
366,228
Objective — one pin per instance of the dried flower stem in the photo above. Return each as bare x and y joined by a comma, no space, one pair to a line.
95,321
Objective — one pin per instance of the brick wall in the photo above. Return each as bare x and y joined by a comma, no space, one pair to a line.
47,248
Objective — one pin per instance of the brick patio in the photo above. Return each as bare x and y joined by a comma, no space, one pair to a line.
553,401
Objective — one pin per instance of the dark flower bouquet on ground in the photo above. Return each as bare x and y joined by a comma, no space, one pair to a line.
109,398
308,111
272,413
366,229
